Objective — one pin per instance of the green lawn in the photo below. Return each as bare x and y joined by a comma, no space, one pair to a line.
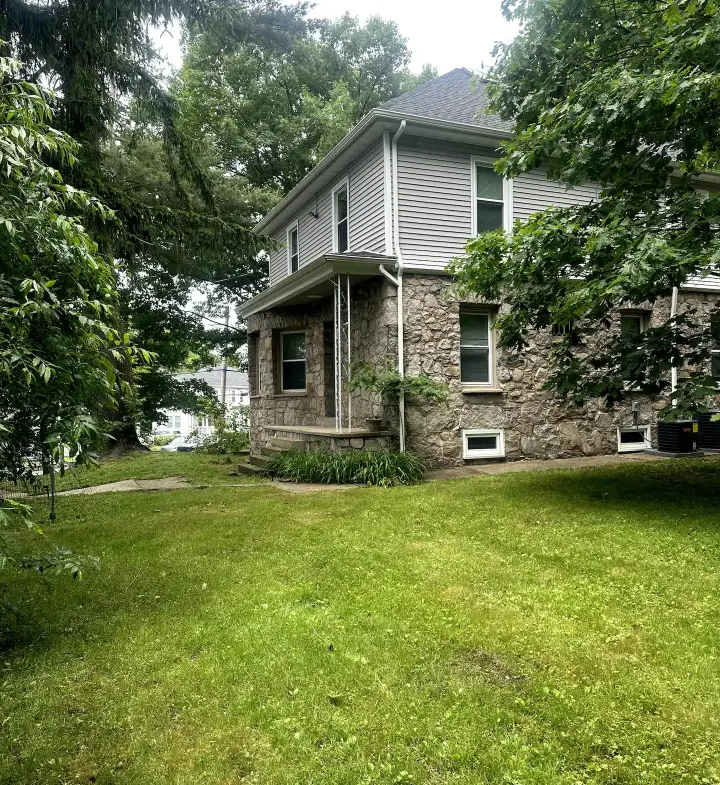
555,627
196,467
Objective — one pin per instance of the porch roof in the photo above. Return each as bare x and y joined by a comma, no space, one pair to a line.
314,281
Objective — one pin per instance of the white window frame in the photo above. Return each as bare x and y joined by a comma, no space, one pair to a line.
294,227
644,319
507,201
176,422
490,384
343,185
646,444
284,389
498,452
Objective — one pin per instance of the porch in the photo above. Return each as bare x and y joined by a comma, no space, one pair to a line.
337,312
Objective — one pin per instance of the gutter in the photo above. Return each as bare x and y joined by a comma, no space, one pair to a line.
398,280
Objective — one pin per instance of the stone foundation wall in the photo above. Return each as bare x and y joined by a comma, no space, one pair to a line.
535,423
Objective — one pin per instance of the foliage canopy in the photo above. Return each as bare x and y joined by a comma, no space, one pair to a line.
625,94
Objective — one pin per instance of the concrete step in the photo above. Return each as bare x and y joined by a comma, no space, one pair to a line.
258,460
246,468
283,445
270,451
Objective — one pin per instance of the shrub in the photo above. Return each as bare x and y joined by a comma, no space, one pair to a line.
162,439
362,468
231,434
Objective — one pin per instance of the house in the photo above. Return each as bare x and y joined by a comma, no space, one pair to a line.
237,393
359,276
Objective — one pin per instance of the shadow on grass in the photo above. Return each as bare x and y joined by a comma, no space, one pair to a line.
683,487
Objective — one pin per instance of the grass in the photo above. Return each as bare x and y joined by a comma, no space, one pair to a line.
556,627
197,467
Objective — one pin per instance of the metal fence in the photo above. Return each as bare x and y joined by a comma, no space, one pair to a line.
42,488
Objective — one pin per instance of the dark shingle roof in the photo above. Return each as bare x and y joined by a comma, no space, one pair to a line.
458,96
213,376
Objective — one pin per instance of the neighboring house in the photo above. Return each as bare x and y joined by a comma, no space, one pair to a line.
237,393
360,277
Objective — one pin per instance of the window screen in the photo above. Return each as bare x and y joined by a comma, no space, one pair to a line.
632,437
293,250
341,220
489,195
482,442
474,347
631,325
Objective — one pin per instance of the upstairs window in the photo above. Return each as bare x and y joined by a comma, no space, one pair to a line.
491,209
293,249
475,347
292,362
341,234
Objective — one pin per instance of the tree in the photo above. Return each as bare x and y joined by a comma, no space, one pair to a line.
625,94
59,343
269,114
172,232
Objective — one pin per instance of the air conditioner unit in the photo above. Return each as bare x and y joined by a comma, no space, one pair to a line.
708,431
677,437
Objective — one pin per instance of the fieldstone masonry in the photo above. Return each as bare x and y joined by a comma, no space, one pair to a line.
535,423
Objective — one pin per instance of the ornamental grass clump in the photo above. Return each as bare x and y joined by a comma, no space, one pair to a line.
361,468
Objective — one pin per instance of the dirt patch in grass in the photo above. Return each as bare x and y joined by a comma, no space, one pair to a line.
490,667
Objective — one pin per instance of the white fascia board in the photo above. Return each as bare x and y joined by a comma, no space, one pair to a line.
318,271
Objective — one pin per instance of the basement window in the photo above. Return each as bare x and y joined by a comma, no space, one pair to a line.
482,443
634,438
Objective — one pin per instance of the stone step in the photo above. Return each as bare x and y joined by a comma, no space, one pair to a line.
270,451
258,460
246,468
298,445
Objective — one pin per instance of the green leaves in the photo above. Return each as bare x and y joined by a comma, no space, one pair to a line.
625,95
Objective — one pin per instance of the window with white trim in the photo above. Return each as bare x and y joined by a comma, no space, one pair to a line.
483,443
633,324
476,349
176,422
292,362
634,438
341,219
293,247
491,198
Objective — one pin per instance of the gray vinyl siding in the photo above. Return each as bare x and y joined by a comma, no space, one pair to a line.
366,208
435,199
434,194
532,191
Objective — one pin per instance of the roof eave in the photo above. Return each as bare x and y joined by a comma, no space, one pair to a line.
314,274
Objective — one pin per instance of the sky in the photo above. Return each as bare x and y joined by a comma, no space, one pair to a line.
451,34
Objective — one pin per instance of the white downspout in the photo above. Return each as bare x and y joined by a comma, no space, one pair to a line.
674,370
398,281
